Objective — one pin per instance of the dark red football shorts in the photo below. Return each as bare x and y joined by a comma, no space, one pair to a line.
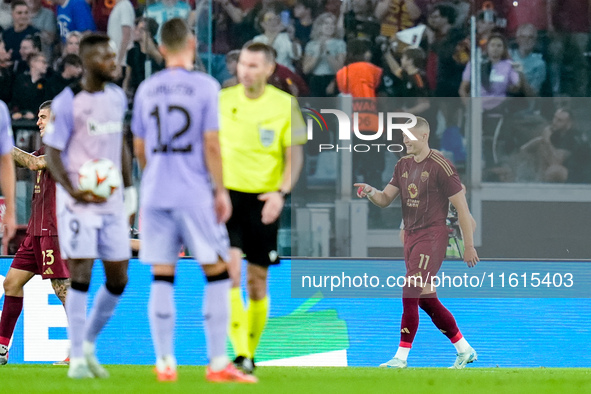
424,251
41,256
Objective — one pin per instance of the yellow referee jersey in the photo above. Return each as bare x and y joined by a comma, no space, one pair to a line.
253,136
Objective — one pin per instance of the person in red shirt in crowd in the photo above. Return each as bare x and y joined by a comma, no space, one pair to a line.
288,81
526,12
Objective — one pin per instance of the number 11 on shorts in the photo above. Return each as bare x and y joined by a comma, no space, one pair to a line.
424,259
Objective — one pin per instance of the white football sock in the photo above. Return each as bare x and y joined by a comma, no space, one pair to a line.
402,353
462,346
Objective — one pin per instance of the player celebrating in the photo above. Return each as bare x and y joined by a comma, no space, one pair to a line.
7,176
426,182
176,140
87,124
39,253
261,165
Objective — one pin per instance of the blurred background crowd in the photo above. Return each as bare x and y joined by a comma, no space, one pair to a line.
533,61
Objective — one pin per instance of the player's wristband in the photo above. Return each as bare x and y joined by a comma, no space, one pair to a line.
130,200
372,192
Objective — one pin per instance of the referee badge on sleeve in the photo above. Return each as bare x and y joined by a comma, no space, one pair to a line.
267,136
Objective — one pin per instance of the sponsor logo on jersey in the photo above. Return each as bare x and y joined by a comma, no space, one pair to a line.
98,128
405,175
413,190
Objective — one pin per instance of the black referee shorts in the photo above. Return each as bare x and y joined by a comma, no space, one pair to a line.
247,232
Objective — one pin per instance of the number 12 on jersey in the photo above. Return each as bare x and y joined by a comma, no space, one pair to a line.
165,143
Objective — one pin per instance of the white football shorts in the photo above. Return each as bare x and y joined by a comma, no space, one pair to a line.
90,235
164,231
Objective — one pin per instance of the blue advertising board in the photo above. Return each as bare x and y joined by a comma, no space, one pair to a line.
313,331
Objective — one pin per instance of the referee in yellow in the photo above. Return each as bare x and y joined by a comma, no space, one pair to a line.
261,132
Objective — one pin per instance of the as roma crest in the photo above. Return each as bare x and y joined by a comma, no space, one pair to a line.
424,176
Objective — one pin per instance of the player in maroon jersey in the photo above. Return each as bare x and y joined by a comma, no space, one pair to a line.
39,253
426,182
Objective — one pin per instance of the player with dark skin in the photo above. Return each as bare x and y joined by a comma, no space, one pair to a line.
100,68
83,215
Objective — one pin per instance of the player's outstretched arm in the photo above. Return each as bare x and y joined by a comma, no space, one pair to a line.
465,220
380,198
27,160
59,173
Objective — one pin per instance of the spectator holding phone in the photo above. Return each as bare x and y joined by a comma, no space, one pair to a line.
288,50
499,75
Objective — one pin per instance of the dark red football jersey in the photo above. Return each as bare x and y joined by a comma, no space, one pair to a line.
43,221
425,188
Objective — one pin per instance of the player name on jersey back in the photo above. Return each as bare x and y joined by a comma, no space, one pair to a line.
173,110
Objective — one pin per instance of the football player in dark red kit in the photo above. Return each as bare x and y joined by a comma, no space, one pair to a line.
39,253
426,183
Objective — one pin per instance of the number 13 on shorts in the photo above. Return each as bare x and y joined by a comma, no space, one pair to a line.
48,257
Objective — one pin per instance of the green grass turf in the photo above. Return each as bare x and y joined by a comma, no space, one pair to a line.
125,379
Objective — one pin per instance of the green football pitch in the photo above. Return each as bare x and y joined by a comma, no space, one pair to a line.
125,379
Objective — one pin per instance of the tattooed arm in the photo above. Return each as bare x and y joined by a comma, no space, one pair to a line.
28,160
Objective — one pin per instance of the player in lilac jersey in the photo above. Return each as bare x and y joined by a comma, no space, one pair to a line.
175,123
39,253
7,175
426,183
86,124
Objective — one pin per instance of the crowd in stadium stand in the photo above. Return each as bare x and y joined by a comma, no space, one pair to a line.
535,48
